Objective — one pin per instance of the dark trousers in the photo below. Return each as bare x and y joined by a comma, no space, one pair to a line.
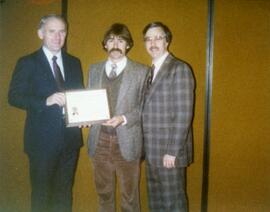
166,189
109,163
52,179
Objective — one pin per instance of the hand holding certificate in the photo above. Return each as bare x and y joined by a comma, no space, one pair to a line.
86,107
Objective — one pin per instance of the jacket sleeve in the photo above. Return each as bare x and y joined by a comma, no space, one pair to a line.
182,100
21,93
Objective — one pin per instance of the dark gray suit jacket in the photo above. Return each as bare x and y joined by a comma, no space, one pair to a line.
128,104
32,82
168,113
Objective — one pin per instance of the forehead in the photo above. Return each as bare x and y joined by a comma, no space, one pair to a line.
113,36
155,31
54,23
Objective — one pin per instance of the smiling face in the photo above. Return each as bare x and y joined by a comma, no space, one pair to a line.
53,34
155,42
116,47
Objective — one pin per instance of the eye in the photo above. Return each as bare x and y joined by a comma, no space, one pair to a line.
110,40
159,38
147,39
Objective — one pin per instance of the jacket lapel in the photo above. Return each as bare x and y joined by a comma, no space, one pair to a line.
163,72
45,66
126,82
100,71
66,68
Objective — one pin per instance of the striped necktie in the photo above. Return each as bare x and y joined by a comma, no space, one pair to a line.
57,74
113,74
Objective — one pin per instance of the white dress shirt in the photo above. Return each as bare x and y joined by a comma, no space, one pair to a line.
59,60
120,66
158,63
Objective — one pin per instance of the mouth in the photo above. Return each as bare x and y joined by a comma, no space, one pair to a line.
154,48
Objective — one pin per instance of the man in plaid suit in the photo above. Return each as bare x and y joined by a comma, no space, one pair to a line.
167,122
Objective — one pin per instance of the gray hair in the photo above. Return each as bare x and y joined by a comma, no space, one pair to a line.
45,18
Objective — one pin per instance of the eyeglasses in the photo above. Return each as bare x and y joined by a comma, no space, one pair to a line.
156,38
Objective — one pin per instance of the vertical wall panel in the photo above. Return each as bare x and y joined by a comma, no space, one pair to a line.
239,165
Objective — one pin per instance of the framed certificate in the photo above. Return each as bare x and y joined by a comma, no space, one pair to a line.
86,107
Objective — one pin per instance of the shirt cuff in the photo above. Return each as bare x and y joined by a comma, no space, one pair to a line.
125,120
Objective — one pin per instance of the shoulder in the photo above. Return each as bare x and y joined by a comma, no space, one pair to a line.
29,59
97,66
70,57
137,67
181,69
178,64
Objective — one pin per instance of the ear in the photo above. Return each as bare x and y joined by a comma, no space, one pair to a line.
40,34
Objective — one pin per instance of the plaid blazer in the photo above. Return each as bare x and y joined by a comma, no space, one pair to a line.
168,113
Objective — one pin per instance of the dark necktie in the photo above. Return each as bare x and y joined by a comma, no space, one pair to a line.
57,74
113,74
150,77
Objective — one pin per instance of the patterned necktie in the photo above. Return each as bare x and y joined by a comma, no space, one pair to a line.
150,77
57,74
113,74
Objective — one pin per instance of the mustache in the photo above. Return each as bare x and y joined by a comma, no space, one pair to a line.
154,48
116,49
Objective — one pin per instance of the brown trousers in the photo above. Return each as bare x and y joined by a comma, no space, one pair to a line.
109,163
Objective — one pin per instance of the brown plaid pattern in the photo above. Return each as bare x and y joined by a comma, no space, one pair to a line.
167,189
167,114
167,117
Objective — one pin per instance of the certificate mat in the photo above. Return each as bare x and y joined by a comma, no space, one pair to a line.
86,107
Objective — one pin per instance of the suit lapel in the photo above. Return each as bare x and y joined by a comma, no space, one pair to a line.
126,82
100,71
45,66
66,68
164,71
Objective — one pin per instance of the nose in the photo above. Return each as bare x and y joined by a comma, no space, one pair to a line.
115,43
153,42
57,35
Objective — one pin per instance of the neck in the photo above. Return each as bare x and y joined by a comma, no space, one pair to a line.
154,60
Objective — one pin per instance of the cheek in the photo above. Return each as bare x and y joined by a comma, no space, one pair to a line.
108,46
147,45
63,36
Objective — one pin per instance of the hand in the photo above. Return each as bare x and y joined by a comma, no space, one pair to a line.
56,98
114,122
85,126
169,161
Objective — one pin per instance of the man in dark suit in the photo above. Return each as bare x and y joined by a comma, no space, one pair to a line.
167,118
37,86
115,146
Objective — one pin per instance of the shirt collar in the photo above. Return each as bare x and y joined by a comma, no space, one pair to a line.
49,54
160,61
120,66
59,61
